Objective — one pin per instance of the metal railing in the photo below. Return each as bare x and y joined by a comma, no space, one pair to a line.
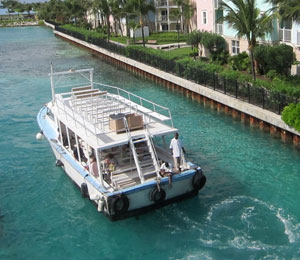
161,3
163,17
147,107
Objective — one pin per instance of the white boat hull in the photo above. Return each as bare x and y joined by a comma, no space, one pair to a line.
139,198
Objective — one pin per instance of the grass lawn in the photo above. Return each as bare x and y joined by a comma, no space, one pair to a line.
120,39
165,37
160,37
184,51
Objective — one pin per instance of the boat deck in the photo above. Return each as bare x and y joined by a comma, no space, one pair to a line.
87,111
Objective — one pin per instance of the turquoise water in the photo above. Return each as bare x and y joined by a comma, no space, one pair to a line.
247,210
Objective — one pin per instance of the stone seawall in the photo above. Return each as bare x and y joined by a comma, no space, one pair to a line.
248,113
19,24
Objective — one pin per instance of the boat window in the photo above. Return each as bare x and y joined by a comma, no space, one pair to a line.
64,137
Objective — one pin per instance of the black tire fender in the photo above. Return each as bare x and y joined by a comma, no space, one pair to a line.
84,190
199,180
119,204
158,195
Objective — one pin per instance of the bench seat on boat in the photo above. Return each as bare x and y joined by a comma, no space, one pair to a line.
81,88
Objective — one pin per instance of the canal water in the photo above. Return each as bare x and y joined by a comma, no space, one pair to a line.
249,208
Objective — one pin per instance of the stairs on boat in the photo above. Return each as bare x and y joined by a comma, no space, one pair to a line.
145,158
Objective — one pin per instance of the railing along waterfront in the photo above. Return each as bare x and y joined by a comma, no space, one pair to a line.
256,95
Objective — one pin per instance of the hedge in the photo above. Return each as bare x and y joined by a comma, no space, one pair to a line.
291,116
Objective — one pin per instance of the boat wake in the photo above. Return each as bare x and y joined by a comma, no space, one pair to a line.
255,223
240,223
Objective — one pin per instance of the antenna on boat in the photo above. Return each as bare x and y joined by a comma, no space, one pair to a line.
51,80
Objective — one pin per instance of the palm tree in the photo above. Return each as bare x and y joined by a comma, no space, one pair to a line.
188,10
288,9
117,13
247,20
76,10
141,8
104,7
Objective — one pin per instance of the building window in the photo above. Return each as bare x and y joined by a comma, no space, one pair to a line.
285,30
204,17
235,47
164,27
164,15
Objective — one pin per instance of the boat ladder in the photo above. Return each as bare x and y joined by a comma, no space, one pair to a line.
134,152
146,167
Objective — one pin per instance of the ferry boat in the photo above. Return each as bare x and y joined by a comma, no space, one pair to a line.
112,144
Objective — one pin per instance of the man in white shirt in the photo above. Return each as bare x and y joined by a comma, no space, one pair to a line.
177,149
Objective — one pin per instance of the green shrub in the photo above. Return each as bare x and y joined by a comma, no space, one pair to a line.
194,39
230,74
260,57
279,58
240,62
215,43
194,53
272,74
166,37
222,58
87,33
291,116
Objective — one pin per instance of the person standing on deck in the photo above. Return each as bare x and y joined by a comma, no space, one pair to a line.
94,167
177,149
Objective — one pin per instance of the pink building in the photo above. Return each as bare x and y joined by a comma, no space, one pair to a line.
205,15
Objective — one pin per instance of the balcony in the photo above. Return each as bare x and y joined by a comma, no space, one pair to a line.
285,35
219,28
165,3
161,3
163,18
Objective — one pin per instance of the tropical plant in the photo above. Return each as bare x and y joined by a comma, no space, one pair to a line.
104,7
239,62
188,10
249,22
141,9
278,58
54,10
288,9
177,14
75,10
133,25
214,43
194,39
291,115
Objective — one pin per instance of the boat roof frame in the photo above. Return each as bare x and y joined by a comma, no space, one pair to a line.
59,98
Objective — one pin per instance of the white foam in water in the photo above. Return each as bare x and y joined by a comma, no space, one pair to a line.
241,238
289,227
